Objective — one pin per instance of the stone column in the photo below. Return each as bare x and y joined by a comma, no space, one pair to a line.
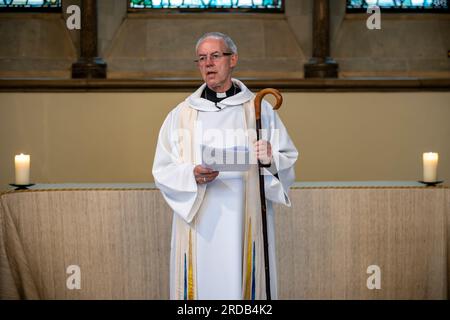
89,65
321,65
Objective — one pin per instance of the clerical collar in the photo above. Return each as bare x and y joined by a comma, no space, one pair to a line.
216,97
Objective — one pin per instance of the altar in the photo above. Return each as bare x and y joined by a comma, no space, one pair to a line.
347,240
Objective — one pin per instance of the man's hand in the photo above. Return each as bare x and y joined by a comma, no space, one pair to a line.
204,175
263,151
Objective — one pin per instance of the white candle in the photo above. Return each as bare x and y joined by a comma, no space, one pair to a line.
22,163
430,162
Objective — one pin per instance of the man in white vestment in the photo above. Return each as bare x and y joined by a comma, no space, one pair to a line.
216,247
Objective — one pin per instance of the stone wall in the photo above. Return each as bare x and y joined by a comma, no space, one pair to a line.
103,137
142,45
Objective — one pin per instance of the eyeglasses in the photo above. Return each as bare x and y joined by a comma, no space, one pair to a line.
213,56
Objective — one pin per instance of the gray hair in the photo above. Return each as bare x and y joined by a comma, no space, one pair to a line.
220,36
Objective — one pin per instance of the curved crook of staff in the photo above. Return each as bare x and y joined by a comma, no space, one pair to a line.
259,96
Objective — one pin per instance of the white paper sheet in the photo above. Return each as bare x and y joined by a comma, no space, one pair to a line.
235,158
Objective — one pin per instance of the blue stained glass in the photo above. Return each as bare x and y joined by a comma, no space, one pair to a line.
399,4
206,4
30,3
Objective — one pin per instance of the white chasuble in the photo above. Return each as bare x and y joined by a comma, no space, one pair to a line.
216,247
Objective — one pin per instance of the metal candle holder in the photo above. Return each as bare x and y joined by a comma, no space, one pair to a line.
21,186
431,183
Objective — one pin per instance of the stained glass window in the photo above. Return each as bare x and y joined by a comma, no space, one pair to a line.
30,5
215,5
399,5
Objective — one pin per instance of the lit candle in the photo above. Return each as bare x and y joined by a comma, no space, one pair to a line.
22,163
430,162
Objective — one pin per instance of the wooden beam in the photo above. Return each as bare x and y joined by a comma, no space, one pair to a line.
187,85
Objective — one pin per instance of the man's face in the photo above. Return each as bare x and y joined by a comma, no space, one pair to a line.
216,74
